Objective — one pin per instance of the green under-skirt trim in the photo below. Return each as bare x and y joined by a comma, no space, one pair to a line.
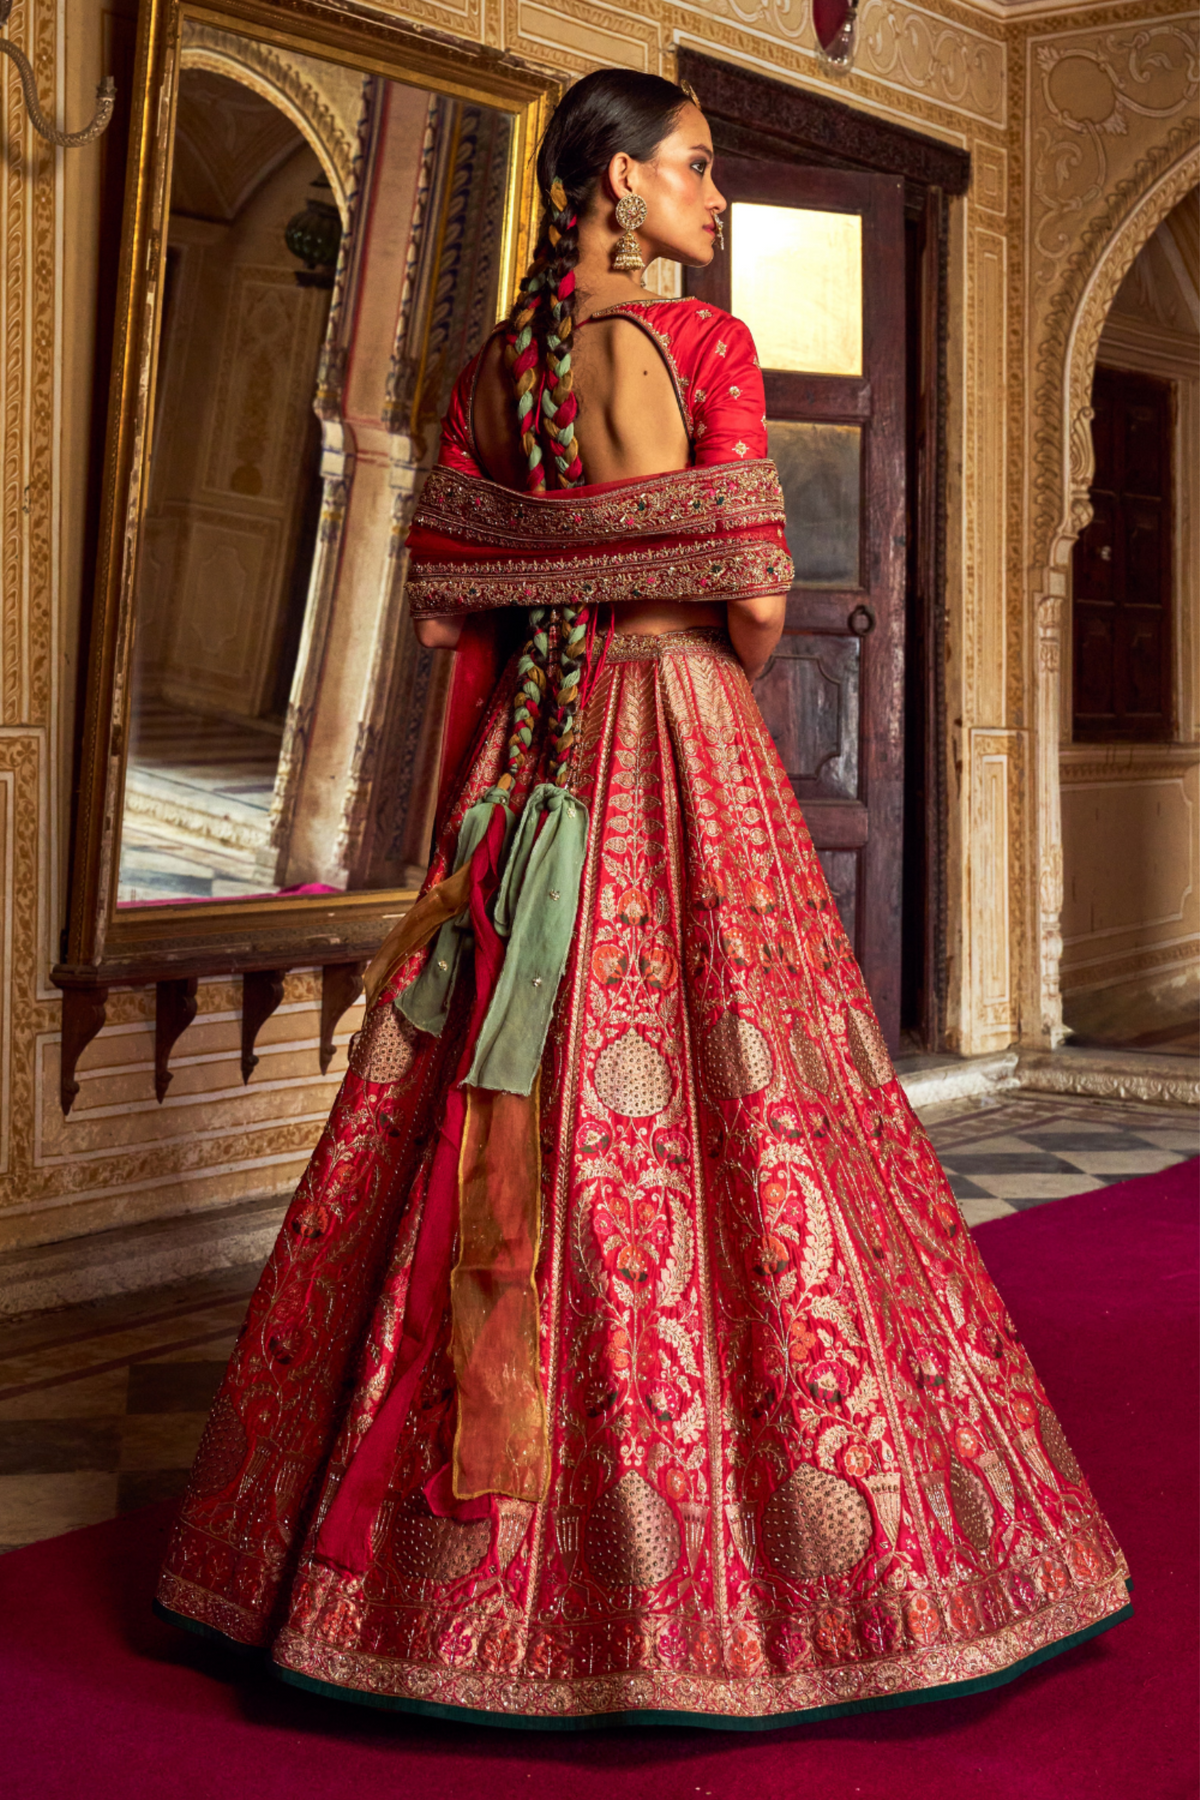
469,1715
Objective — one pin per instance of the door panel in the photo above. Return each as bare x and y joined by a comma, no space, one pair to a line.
815,266
1121,568
820,467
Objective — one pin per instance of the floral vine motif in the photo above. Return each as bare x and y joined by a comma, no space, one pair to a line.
958,67
1089,91
945,62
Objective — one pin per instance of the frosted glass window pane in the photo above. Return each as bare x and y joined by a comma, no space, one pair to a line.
819,471
797,283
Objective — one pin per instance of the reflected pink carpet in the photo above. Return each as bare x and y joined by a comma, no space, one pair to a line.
100,1699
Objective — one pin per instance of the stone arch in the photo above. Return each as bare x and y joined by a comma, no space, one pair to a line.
1063,508
294,85
1115,261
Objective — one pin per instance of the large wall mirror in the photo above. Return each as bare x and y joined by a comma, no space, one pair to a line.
323,222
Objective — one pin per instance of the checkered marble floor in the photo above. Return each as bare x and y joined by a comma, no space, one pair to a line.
102,1406
1003,1155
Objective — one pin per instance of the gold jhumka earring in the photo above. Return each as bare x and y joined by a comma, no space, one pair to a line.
631,212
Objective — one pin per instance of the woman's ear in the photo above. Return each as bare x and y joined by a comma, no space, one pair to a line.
616,177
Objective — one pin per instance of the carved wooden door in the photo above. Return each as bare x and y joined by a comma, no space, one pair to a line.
815,266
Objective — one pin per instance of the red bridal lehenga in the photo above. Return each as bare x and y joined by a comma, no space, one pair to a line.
728,1425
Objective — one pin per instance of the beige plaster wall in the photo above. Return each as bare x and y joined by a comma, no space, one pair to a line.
1131,911
1024,247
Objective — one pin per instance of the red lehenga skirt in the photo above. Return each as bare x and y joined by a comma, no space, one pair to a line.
799,1461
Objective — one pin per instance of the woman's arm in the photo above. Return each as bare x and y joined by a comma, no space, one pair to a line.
438,634
755,627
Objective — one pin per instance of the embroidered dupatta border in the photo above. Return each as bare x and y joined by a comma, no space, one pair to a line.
724,497
710,570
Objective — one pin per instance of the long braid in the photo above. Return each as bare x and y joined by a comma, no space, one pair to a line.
521,355
543,320
559,405
527,704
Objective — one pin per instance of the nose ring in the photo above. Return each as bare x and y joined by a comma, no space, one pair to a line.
720,231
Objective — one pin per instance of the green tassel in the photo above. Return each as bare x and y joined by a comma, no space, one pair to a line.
425,1003
535,910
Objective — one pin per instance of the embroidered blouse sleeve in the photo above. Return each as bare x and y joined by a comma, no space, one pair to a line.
728,402
457,450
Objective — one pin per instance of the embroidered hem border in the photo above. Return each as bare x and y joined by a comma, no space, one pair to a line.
760,1696
810,1715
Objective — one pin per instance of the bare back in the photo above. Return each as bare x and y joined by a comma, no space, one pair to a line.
629,424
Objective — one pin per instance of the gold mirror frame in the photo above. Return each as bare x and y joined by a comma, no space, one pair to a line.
172,946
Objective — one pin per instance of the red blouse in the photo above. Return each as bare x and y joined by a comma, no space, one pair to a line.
711,359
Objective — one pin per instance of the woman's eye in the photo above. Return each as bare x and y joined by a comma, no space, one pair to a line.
700,167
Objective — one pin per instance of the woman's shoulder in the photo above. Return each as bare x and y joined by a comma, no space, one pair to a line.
699,318
696,336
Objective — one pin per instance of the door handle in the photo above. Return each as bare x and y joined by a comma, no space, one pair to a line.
861,620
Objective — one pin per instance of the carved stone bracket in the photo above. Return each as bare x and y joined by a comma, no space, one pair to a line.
262,990
341,984
174,1010
83,1013
85,1010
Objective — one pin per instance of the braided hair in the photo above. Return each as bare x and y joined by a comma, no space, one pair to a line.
608,111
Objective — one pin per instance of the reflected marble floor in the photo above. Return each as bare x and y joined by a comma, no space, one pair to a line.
197,807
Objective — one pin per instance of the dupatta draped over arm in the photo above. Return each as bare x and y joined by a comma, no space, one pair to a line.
712,532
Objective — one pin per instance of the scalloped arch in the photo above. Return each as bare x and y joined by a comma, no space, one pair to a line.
1114,262
275,79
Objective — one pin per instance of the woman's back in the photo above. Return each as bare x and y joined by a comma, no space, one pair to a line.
629,423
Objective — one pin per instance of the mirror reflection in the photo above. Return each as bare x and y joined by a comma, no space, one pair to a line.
334,255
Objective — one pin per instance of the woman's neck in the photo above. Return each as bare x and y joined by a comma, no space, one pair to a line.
597,284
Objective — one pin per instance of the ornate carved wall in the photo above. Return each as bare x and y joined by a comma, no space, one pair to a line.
1109,147
1080,129
1131,923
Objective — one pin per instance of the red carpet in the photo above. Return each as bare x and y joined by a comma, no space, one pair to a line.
98,1699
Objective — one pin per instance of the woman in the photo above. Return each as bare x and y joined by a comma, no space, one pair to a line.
624,1355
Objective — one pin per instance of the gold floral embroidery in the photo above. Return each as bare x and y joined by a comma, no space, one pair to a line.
386,1047
632,1077
431,1549
710,571
815,1524
723,497
867,1048
1057,1447
737,1057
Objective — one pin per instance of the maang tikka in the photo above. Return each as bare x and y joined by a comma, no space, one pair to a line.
631,212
